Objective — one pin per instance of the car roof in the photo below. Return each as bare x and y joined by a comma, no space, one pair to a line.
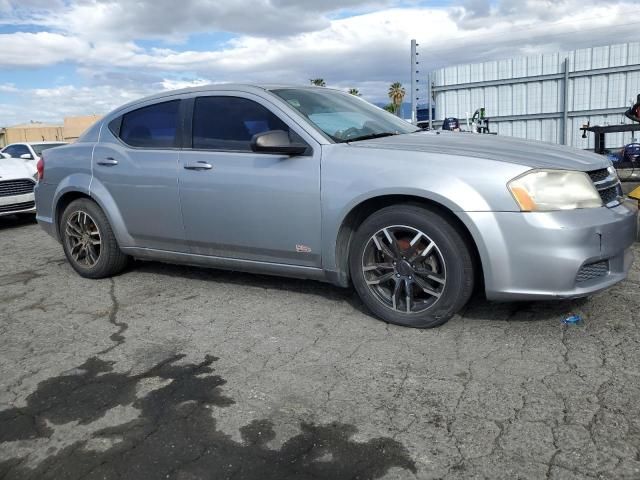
37,143
243,87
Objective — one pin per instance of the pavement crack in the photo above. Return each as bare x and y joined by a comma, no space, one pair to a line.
118,336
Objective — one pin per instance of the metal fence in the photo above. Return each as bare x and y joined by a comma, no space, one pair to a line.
546,97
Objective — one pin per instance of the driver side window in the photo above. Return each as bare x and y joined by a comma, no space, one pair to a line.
229,123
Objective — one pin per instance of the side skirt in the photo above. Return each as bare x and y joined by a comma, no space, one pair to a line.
235,264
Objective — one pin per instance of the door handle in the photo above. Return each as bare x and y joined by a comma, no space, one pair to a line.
108,162
200,165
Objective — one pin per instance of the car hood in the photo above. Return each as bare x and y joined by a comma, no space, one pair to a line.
505,149
13,168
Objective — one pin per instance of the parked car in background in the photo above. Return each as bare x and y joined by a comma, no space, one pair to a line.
29,150
17,182
631,154
316,183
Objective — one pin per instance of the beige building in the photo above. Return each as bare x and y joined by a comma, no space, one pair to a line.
42,132
31,132
75,126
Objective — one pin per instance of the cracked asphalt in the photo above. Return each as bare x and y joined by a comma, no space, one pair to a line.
185,373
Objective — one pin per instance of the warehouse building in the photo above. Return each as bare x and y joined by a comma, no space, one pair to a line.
42,132
31,132
75,126
546,97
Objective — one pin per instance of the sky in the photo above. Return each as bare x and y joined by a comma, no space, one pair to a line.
75,57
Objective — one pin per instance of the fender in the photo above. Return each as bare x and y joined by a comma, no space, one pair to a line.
75,183
110,208
332,226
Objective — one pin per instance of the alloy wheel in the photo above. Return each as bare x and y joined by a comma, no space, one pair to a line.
83,239
404,269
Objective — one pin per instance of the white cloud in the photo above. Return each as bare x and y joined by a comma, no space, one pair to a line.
170,84
367,51
125,20
8,88
53,104
40,49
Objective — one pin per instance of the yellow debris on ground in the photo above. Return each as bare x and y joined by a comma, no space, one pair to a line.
635,193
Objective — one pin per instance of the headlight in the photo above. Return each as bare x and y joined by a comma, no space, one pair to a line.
546,190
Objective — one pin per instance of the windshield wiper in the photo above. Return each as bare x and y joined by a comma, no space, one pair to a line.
370,136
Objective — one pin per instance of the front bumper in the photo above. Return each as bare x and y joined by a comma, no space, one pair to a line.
544,255
11,205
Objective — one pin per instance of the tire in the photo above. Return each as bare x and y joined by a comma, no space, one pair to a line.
106,259
437,269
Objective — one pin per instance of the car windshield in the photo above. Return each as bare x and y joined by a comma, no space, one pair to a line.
343,117
39,148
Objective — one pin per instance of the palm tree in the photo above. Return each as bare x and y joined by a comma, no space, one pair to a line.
355,91
318,82
396,94
390,108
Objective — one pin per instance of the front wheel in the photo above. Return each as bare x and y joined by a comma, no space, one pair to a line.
88,240
411,266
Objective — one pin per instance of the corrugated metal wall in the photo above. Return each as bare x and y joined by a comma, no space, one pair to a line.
594,91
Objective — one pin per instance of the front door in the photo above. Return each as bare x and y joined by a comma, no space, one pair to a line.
245,205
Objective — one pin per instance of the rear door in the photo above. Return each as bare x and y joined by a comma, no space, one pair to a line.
136,162
240,204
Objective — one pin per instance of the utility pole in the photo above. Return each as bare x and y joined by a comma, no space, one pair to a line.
414,82
430,97
565,104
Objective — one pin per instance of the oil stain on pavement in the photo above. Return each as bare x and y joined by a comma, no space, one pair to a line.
175,435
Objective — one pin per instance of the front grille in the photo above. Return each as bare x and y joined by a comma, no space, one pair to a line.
611,194
608,186
593,270
9,188
598,175
17,207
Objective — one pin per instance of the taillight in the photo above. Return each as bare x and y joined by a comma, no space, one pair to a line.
40,167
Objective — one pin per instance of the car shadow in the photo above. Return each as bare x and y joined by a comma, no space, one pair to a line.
15,221
272,282
478,308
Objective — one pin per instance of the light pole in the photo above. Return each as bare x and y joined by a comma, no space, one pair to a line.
414,82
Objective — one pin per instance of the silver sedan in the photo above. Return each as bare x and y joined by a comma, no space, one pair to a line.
315,183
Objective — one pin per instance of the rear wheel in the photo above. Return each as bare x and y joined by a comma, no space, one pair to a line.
411,266
88,240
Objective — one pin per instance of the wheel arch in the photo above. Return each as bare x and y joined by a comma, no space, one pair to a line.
103,199
364,209
63,202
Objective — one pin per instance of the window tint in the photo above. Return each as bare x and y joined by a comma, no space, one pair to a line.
45,146
16,150
229,123
154,126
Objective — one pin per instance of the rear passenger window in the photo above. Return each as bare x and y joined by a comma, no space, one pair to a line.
154,126
229,123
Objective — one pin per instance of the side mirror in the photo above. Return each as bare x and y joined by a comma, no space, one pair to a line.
26,156
276,141
4,155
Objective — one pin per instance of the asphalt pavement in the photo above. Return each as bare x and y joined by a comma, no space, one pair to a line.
175,372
